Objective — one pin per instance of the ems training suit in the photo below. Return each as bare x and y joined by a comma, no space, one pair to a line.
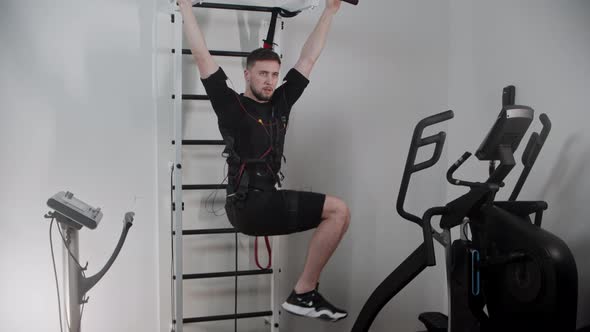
254,134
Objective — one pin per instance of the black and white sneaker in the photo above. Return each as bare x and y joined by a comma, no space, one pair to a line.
312,304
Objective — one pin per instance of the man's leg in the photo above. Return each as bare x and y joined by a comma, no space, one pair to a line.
305,300
327,236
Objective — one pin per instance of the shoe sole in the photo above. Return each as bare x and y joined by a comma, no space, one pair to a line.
312,313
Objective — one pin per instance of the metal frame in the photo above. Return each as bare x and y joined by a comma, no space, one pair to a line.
177,204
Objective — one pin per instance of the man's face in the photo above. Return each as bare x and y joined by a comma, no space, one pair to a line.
263,78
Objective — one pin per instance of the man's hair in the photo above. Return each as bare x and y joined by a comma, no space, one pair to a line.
261,54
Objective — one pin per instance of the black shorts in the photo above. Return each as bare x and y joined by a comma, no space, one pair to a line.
276,212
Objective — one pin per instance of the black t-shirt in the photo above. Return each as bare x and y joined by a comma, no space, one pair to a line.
258,129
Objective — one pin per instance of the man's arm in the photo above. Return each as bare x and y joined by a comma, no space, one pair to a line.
316,41
203,58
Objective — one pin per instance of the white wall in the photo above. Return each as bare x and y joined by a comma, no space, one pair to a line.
541,47
85,108
77,114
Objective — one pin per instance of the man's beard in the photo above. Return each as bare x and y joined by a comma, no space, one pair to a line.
259,95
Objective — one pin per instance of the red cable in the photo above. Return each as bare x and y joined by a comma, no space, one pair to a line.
245,111
268,250
242,167
240,173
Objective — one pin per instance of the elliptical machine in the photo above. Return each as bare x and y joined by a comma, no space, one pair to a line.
511,275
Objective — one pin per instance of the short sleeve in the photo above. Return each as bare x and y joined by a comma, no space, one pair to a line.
224,100
217,89
293,86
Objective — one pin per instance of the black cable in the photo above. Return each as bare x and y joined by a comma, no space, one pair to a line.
214,194
55,273
82,311
82,269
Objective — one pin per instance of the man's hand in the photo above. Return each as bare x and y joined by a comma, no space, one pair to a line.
185,3
333,5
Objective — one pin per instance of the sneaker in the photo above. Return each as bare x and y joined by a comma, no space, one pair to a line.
312,304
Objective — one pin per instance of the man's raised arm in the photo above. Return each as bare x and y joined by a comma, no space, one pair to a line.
203,58
317,39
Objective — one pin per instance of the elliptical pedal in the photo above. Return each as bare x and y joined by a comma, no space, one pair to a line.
434,321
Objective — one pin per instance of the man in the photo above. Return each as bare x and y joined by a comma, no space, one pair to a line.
253,126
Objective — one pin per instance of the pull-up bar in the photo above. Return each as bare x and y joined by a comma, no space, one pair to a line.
283,12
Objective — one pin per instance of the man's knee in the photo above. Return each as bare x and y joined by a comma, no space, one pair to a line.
335,208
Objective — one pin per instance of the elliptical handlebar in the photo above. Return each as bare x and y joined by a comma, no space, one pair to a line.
530,154
457,182
456,166
546,125
411,167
